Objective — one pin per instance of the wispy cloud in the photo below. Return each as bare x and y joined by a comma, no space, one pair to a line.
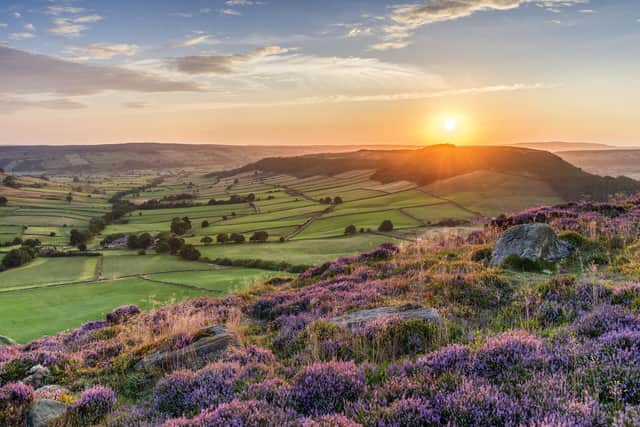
196,40
101,51
3,25
12,104
407,18
221,64
231,12
21,36
28,73
29,27
70,21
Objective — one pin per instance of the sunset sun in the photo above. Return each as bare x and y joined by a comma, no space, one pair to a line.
450,124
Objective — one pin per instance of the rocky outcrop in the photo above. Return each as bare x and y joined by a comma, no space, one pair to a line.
38,376
530,241
6,341
211,345
362,317
43,411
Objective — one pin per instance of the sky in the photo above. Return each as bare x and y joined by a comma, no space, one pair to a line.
292,72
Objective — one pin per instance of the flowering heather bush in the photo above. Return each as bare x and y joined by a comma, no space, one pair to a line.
92,406
410,412
247,413
604,319
251,354
324,388
628,417
453,358
15,399
172,393
122,314
509,356
273,391
334,420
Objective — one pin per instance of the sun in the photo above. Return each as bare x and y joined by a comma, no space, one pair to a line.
450,124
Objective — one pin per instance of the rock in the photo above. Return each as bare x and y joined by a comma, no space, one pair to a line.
6,341
38,376
43,411
212,345
361,317
531,241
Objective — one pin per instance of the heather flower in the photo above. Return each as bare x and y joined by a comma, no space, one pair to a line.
93,405
249,413
509,355
604,319
272,391
122,314
323,388
453,358
251,354
628,417
333,420
410,412
15,399
172,393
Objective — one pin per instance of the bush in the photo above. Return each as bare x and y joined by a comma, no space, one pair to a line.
350,229
94,404
259,237
190,253
517,263
481,254
324,388
386,226
222,238
15,399
122,314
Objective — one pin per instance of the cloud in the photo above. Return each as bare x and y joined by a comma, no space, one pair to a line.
234,3
183,14
406,18
21,36
134,105
221,64
13,104
17,15
97,51
29,27
196,40
3,25
231,12
64,10
28,73
68,21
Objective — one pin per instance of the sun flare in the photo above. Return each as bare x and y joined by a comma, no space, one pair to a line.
450,124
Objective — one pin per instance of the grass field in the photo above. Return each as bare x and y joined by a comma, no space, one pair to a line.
28,314
46,271
223,280
130,265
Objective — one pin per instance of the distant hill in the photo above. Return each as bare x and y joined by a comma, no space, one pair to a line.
430,164
555,146
76,159
606,162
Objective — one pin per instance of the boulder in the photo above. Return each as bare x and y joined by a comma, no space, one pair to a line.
212,343
362,317
6,341
530,241
38,376
43,411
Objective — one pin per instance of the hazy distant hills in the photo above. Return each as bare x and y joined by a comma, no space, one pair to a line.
430,164
145,156
555,146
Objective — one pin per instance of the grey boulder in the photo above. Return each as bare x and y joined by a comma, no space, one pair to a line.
38,376
43,411
213,344
6,341
530,241
361,317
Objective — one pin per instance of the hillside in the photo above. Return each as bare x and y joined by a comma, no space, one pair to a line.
421,334
142,156
556,146
430,164
621,162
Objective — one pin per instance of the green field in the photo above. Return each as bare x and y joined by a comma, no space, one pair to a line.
28,314
222,280
46,271
131,265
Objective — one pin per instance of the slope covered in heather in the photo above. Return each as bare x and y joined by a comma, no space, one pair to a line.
491,346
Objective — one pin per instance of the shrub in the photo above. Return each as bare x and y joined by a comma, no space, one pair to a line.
324,388
15,399
92,406
411,412
515,262
171,393
350,229
481,254
604,319
189,252
259,237
386,226
122,314
453,358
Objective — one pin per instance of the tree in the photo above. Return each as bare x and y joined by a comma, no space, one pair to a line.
205,224
259,237
69,198
237,238
350,229
337,200
78,237
251,197
180,226
145,240
175,244
190,253
132,242
3,201
222,238
17,257
10,181
207,240
96,225
386,226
